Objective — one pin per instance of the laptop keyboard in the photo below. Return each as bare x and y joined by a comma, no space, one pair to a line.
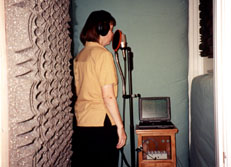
155,123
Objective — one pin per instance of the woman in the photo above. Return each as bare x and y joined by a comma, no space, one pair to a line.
100,131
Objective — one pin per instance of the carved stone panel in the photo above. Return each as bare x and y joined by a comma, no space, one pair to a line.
40,118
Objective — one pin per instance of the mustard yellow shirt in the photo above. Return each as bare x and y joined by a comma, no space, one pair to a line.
93,68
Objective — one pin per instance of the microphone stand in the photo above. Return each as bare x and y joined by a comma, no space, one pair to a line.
130,96
132,138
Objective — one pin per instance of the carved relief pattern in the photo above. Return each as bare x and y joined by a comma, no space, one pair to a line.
39,82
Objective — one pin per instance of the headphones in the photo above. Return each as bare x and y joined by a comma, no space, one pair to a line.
103,28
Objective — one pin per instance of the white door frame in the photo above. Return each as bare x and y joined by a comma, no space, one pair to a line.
222,45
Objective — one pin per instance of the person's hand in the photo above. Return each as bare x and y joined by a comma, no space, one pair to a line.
122,138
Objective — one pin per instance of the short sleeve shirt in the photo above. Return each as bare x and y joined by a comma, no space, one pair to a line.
93,68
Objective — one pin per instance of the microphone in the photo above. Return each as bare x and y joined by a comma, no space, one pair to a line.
119,40
123,43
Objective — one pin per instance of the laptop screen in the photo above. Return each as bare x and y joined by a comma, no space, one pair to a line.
154,108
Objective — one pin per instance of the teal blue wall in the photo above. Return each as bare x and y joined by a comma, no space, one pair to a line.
157,32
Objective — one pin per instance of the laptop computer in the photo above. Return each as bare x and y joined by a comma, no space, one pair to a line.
155,113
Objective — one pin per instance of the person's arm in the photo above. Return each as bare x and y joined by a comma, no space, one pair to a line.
111,104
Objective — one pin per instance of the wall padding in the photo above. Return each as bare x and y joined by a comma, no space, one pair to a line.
38,48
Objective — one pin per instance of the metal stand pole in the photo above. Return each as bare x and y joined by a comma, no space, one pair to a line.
132,138
129,96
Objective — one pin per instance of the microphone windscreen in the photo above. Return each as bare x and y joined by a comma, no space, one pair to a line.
123,41
116,40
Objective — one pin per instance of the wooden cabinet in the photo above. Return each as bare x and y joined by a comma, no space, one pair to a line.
157,147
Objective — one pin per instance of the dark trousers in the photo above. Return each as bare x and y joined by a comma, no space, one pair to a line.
96,146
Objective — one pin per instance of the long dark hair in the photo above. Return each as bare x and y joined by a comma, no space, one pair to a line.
90,29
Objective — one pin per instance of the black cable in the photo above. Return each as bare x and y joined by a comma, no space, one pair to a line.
178,162
123,158
122,153
140,149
